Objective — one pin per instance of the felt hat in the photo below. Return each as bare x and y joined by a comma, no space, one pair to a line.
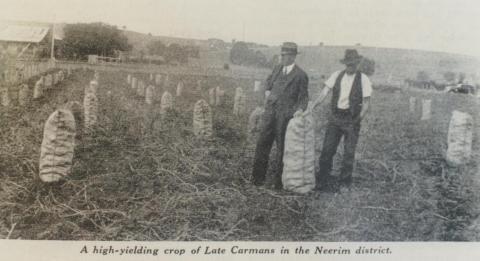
289,48
351,57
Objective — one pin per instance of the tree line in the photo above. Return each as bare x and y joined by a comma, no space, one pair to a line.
241,54
83,39
172,52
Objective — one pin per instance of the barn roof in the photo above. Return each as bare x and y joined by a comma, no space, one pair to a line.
23,33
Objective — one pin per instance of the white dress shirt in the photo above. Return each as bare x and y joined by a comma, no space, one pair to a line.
288,69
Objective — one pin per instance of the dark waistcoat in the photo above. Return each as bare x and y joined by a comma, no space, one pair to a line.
355,98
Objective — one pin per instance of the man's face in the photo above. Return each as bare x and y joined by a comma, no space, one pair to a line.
351,68
287,59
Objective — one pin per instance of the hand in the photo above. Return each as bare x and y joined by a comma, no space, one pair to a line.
358,119
315,104
267,93
298,113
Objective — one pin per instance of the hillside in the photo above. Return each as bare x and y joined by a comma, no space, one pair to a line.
393,65
139,41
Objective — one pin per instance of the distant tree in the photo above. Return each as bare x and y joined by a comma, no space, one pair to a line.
275,60
449,76
156,48
422,76
83,39
367,66
239,52
176,53
192,51
260,59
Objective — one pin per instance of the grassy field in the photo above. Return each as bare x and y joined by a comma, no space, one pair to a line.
140,177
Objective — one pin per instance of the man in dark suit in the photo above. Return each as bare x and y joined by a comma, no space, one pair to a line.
287,97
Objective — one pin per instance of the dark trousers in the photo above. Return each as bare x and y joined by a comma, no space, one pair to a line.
340,124
273,128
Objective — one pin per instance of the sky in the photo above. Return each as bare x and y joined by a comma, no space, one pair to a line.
435,25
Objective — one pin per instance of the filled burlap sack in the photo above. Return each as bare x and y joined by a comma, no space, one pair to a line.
90,108
413,102
299,156
56,153
460,137
91,88
256,86
211,96
141,89
5,96
239,105
149,95
134,83
202,120
426,110
23,95
219,96
166,103
180,87
129,79
47,81
38,89
61,76
166,81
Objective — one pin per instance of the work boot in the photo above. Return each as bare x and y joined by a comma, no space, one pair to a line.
327,185
257,182
345,181
277,183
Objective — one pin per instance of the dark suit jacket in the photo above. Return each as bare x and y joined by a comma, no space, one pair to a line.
294,93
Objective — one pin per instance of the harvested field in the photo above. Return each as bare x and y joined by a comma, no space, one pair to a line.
139,176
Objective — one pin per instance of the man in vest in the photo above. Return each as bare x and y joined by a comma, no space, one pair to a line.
351,91
286,97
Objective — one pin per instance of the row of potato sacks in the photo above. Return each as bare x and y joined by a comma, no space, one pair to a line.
24,94
191,88
60,130
151,95
460,132
299,159
215,96
426,108
299,154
